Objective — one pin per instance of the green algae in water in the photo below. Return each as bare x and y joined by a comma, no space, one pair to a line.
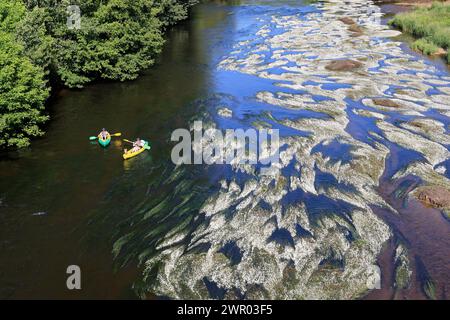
446,214
428,284
402,268
430,289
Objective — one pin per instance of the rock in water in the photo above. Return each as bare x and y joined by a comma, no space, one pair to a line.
434,196
357,30
347,20
343,65
386,103
439,52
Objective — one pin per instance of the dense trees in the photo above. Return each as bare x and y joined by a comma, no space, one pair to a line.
117,38
22,86
116,41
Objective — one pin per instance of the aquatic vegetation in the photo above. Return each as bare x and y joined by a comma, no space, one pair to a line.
432,24
432,129
430,289
308,230
446,214
427,283
402,269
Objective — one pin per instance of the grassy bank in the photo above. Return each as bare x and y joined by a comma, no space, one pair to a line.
431,25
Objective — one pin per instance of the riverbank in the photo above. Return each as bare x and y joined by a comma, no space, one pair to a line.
412,3
429,24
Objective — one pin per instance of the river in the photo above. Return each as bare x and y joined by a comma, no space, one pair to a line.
317,229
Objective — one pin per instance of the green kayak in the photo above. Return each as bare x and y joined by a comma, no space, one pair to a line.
104,142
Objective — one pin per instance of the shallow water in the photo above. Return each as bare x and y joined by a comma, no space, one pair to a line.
315,230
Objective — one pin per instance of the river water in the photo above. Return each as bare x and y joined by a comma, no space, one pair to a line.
318,228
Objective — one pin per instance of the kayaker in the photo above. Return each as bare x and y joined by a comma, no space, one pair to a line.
137,145
104,134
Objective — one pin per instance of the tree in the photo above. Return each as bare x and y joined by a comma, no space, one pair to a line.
115,42
23,89
32,34
11,12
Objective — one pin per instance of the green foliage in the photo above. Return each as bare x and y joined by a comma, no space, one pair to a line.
31,33
432,23
22,86
117,39
425,46
115,42
11,11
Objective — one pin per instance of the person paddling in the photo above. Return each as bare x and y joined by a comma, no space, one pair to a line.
104,134
137,145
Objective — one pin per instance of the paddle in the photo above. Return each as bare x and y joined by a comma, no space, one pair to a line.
118,134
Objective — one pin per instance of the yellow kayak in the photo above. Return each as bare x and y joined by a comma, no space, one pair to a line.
130,154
